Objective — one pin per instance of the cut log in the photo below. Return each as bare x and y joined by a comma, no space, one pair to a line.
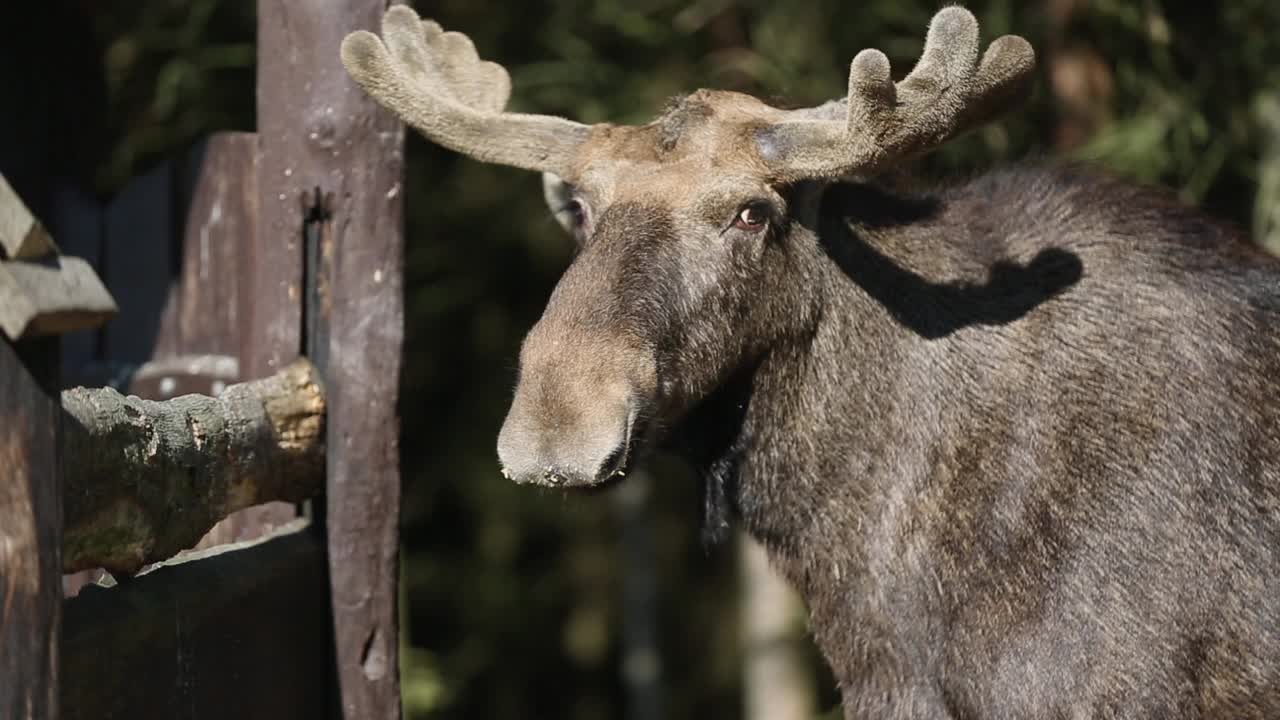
146,479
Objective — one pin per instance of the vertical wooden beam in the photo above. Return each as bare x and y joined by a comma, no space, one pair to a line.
220,193
363,377
271,285
319,131
30,530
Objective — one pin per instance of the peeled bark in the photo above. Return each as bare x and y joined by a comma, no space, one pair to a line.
146,479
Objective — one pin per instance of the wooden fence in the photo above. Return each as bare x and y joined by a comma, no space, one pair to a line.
226,264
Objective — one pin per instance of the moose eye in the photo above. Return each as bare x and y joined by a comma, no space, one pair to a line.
751,218
577,213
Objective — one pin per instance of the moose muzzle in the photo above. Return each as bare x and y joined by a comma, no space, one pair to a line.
577,414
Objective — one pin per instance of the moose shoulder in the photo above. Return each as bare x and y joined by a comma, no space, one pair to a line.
1016,440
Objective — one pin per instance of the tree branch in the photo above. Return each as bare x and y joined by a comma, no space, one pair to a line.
146,479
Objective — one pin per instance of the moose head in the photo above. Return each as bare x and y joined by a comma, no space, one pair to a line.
695,230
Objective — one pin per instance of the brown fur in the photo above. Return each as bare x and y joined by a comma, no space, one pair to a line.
1026,463
1016,441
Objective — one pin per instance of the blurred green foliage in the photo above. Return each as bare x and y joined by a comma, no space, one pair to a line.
511,594
174,70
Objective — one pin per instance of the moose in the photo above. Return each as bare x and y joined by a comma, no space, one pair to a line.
1015,439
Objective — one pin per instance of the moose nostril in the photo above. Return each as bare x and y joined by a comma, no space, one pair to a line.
614,464
553,477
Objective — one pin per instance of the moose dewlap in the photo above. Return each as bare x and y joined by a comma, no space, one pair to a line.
1016,440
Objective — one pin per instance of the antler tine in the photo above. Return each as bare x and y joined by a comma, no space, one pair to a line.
947,93
436,83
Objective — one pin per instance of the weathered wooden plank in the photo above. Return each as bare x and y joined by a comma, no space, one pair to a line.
202,314
138,265
272,275
233,632
365,333
40,292
51,296
250,523
73,583
160,379
30,530
21,234
146,479
184,375
319,131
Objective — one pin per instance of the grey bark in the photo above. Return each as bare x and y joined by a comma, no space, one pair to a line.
147,479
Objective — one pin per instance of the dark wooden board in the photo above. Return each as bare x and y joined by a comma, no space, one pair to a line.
30,530
77,225
202,315
239,634
137,261
171,247
318,130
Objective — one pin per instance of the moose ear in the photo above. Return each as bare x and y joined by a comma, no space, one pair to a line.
558,195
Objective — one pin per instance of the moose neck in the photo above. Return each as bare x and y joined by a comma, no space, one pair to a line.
828,425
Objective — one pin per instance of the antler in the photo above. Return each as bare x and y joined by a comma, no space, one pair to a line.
948,92
435,82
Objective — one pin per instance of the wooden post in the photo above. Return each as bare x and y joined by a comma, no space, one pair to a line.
41,294
320,132
30,530
202,316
